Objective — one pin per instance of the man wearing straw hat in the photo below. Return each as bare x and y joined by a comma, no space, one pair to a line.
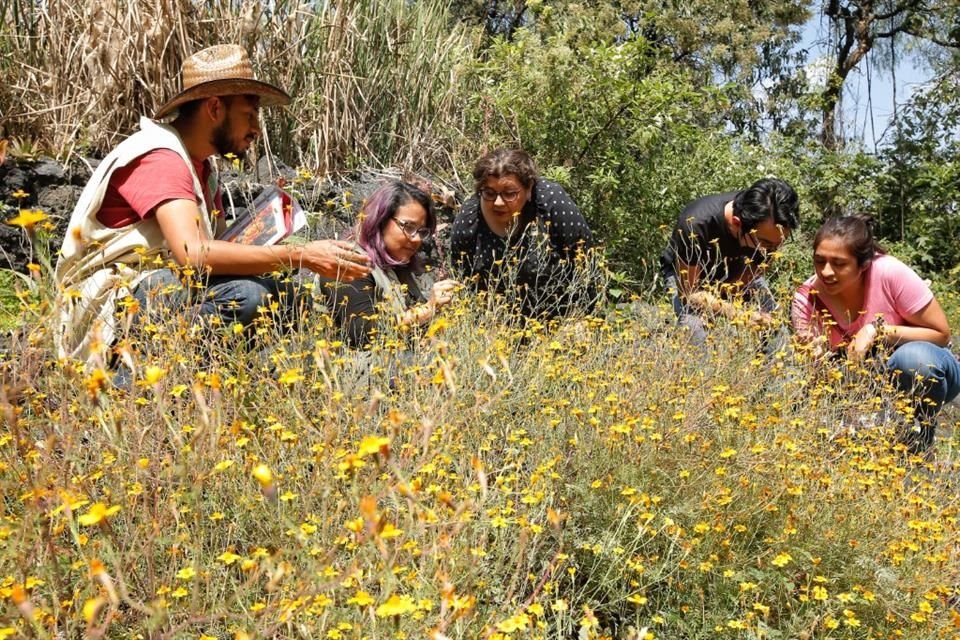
155,198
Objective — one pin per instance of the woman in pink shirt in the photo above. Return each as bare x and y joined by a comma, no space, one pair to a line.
862,300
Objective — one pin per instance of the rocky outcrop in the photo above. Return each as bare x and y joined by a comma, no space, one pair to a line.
54,189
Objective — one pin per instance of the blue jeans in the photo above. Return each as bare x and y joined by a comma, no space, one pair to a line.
932,375
234,299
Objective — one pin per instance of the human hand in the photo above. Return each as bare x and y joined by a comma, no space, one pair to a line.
335,259
761,319
442,292
862,342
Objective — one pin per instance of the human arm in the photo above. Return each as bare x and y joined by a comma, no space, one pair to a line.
807,326
923,319
556,270
569,231
688,280
191,246
927,325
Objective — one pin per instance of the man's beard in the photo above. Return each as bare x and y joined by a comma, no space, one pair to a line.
222,141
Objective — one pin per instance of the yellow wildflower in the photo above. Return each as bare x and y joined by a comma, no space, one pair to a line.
782,559
263,475
187,573
361,599
372,445
28,219
396,606
97,513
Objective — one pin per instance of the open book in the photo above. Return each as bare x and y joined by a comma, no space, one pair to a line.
275,214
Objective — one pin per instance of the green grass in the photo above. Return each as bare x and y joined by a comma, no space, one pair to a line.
10,316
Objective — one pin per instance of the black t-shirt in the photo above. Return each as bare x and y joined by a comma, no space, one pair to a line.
353,305
542,247
702,238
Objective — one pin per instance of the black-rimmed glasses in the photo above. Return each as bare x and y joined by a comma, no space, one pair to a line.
507,196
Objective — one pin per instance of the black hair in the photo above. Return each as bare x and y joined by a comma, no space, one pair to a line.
187,110
856,232
765,198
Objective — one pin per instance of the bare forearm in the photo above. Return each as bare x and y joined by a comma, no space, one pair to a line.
230,259
894,335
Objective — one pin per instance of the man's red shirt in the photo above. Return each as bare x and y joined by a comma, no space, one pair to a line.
136,190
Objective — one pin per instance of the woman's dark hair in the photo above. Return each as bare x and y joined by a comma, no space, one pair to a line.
856,233
505,162
765,198
380,208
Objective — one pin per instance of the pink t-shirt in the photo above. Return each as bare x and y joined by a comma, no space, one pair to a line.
892,289
136,190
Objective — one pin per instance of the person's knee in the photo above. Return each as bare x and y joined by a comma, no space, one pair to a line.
917,367
155,283
695,327
759,293
913,358
158,292
237,299
244,299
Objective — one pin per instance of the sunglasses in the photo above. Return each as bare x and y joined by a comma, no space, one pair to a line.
412,231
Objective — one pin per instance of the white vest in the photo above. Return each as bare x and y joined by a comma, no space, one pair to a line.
99,265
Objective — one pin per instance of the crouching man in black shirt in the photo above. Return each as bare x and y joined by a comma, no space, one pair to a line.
718,251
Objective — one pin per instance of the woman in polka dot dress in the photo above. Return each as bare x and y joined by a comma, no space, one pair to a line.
519,235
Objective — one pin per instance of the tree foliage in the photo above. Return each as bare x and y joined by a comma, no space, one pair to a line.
860,25
613,124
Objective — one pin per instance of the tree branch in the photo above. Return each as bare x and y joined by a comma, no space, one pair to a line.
892,32
934,39
907,6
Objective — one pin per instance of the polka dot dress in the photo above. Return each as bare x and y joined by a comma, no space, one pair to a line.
550,232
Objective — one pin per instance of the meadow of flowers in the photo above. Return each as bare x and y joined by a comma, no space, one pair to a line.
484,478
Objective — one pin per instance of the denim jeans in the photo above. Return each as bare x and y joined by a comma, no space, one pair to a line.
758,291
234,299
932,375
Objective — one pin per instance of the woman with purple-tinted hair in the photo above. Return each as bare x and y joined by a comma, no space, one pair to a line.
396,219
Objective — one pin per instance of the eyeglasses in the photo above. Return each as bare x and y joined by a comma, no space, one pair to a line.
412,231
507,196
758,243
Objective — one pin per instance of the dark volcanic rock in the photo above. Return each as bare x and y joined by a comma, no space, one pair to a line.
47,172
12,178
58,201
332,204
14,249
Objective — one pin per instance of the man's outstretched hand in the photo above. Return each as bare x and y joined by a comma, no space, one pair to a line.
335,259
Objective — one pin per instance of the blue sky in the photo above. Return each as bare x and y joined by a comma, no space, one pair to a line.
868,101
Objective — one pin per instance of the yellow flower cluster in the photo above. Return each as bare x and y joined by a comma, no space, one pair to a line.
495,479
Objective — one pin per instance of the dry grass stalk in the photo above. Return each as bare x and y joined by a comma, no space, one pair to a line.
372,80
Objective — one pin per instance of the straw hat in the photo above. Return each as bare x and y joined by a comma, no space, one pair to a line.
221,70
